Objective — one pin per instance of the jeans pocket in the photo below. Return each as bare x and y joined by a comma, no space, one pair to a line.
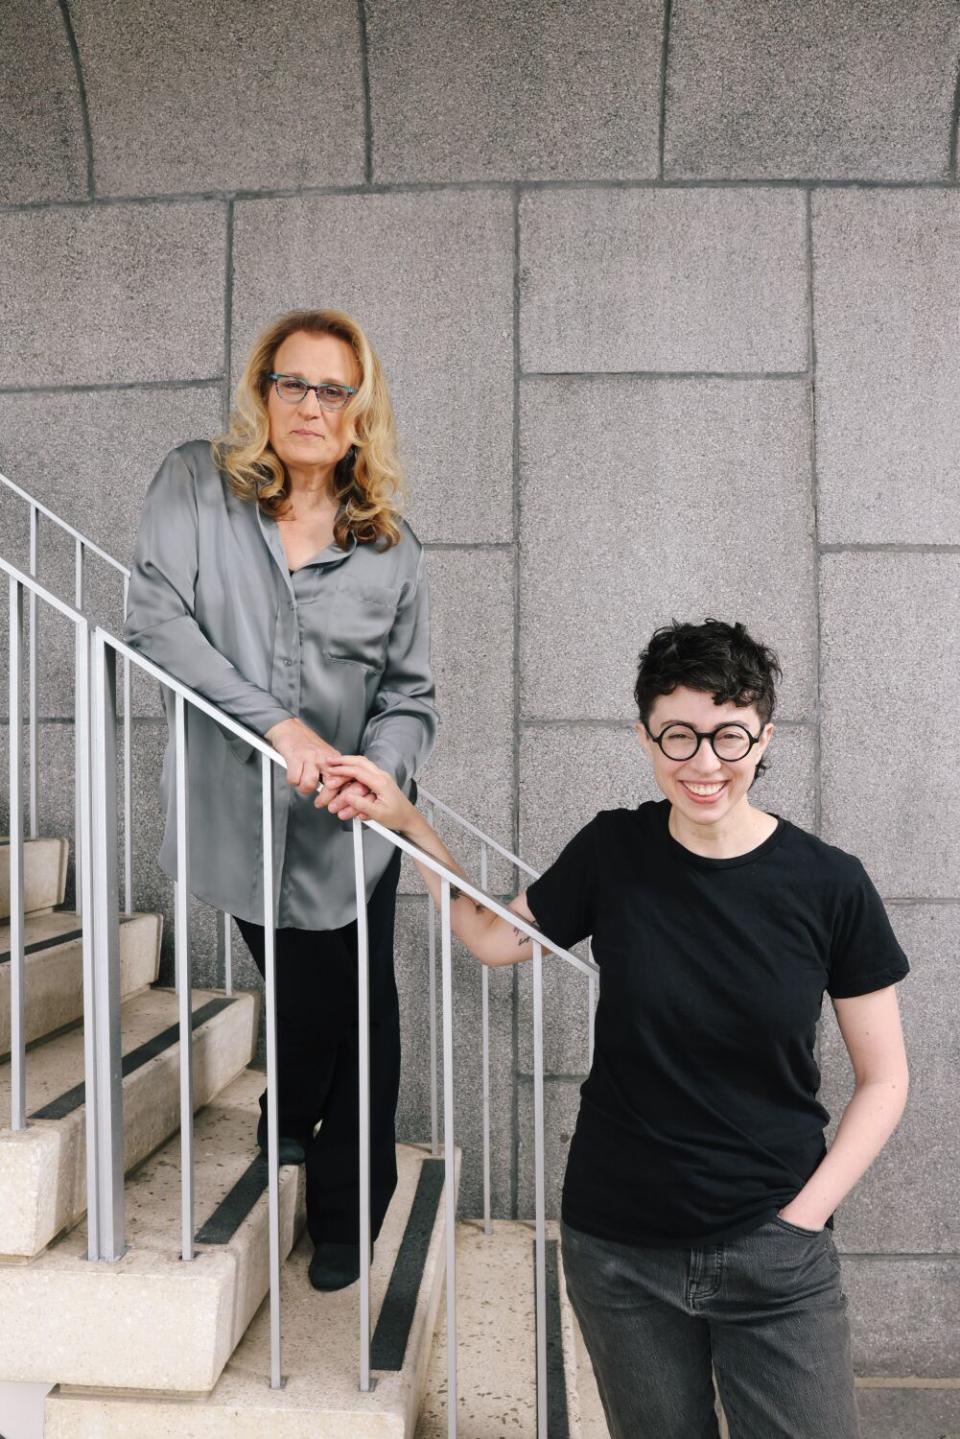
796,1228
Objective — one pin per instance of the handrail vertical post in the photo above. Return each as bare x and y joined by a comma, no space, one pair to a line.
432,1004
485,1037
591,1008
363,1037
539,1194
225,946
32,676
127,774
18,1047
77,726
107,1083
181,931
273,1108
449,1156
86,908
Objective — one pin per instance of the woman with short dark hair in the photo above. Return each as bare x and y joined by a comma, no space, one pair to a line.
275,575
699,1191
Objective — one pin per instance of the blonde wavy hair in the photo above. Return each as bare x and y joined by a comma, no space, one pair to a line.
367,481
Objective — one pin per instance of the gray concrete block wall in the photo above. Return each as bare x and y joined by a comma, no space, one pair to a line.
664,293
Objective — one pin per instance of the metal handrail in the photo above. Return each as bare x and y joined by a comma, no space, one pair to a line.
96,654
43,509
184,696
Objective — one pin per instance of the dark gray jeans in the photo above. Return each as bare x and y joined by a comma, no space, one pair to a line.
765,1312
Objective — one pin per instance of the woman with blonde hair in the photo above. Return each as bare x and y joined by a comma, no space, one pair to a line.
275,575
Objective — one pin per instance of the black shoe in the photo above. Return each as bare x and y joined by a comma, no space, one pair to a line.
334,1266
291,1150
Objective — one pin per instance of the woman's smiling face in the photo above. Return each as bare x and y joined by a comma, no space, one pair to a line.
705,789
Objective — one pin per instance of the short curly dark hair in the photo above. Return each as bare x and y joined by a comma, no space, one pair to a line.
720,659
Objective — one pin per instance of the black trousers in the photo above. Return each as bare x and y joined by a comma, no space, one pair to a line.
318,1062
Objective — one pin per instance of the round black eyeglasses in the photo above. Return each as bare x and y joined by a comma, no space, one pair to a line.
293,390
728,741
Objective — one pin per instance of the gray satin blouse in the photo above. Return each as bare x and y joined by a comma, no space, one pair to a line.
343,643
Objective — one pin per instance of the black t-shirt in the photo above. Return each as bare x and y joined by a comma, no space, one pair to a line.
699,1118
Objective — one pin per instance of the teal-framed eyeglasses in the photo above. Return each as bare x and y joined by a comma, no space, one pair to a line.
329,397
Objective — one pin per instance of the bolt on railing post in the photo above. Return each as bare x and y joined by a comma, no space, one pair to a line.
105,1086
363,1036
449,1156
32,678
539,1194
181,940
432,1005
485,1061
18,1047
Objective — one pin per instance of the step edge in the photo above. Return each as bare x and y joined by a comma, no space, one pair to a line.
67,1130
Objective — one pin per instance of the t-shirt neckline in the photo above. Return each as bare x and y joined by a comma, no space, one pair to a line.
703,861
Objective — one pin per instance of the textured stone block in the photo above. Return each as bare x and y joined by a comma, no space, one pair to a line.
890,762
430,277
90,457
663,280
189,98
561,1104
45,157
133,292
822,89
508,90
413,1115
888,365
905,1413
471,769
907,1201
645,500
903,1316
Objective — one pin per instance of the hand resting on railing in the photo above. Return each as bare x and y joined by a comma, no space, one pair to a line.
491,939
307,755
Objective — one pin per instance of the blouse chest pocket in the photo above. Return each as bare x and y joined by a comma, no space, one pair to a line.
359,623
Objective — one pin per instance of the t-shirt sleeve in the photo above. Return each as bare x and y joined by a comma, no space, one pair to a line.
562,900
865,954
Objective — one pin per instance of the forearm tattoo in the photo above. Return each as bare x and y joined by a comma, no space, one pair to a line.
456,893
459,894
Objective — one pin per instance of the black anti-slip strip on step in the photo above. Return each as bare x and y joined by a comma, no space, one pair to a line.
558,1425
66,1103
68,936
39,944
400,1301
236,1205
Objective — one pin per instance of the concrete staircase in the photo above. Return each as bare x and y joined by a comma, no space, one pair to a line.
151,1345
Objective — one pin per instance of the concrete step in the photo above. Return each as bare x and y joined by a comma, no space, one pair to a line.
496,1352
54,969
42,1168
44,874
320,1398
151,1321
